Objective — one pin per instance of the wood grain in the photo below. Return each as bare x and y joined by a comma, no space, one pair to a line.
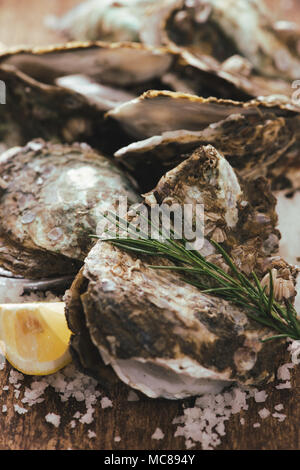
21,22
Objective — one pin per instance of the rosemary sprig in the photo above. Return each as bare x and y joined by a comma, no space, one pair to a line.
210,278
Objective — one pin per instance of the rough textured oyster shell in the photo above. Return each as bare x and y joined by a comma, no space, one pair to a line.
156,112
51,199
233,40
48,96
259,136
176,342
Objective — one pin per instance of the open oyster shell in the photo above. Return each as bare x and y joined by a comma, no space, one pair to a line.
160,335
235,41
258,137
62,92
51,200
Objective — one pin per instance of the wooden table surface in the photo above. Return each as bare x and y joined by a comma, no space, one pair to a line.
21,22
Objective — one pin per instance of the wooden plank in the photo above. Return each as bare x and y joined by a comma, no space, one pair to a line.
21,22
135,422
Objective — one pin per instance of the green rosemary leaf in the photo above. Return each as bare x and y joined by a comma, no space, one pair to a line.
211,279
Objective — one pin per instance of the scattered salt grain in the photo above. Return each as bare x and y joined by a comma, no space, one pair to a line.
260,397
4,409
73,424
91,434
158,434
117,439
283,372
132,396
15,377
264,413
5,388
279,407
17,393
77,415
33,395
205,422
242,421
294,349
281,417
88,418
54,419
106,403
20,410
284,385
256,425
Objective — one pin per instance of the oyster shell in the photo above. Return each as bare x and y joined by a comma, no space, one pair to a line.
156,112
234,41
259,137
107,20
177,342
48,96
51,199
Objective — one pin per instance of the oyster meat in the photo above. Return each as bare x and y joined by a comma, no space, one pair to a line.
161,335
52,197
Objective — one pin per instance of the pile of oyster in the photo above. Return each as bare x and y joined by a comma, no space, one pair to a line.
196,107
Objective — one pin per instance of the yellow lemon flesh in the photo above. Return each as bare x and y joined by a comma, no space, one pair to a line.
35,337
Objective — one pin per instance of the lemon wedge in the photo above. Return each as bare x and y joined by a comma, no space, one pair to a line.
35,337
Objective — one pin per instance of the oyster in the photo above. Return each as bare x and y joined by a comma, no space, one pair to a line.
51,199
107,20
161,335
62,92
234,41
258,137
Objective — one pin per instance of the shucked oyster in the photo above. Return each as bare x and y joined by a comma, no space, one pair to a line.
234,40
51,199
162,336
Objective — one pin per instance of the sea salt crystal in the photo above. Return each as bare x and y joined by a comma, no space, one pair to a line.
17,393
260,397
4,409
77,415
205,422
279,407
87,418
242,421
264,413
117,439
15,377
283,372
284,386
5,388
158,434
132,396
281,417
73,424
54,419
91,434
256,425
294,349
20,410
106,403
